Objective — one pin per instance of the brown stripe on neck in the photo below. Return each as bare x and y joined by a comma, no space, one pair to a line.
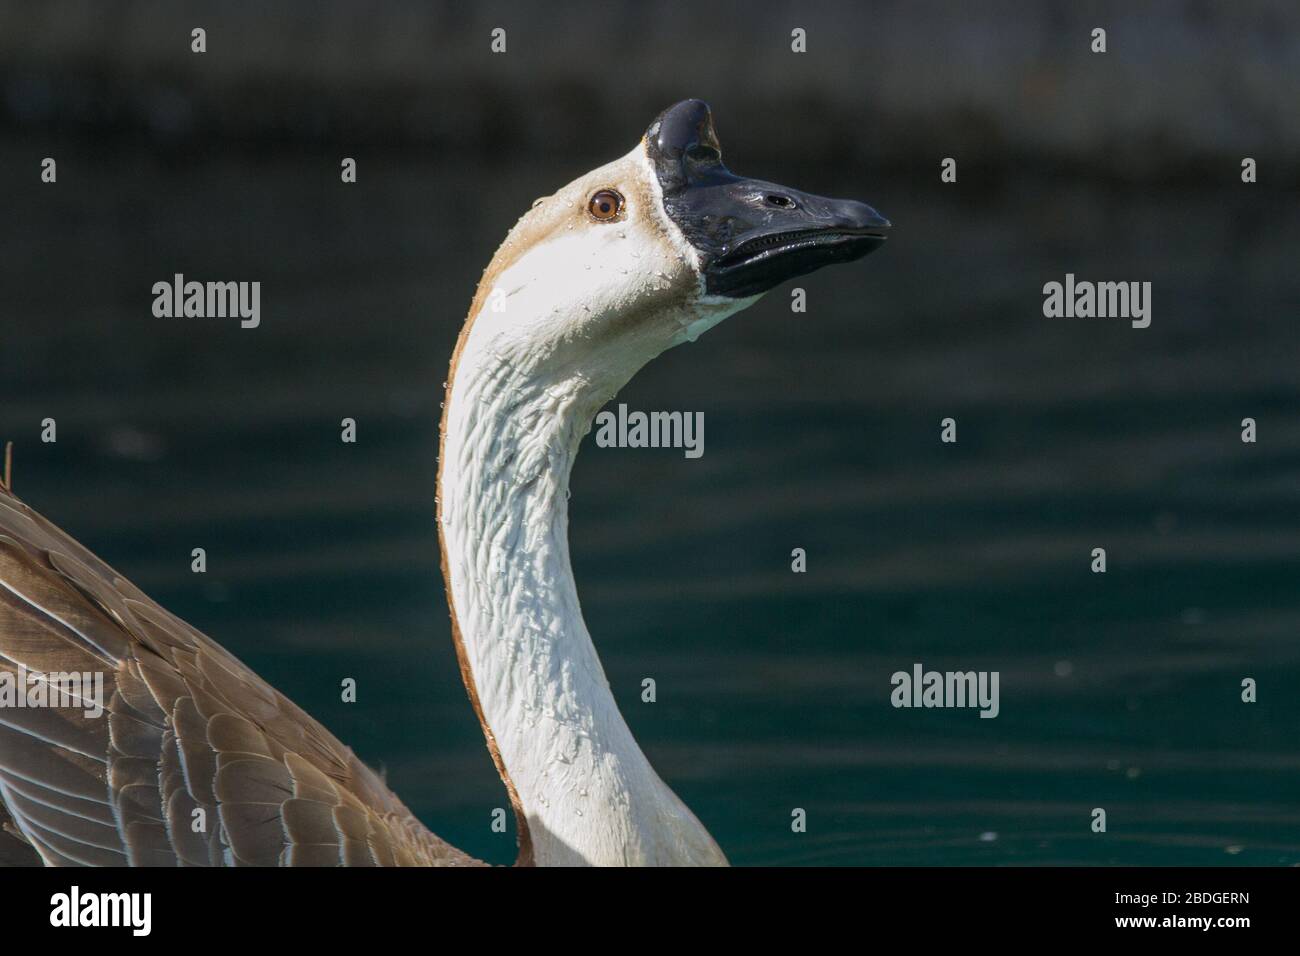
504,257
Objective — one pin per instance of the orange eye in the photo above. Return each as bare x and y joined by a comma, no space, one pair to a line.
605,205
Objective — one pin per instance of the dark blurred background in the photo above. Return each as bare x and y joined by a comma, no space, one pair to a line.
1118,691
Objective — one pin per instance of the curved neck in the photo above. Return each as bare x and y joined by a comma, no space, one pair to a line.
583,790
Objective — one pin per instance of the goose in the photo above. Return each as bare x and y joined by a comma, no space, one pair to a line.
196,761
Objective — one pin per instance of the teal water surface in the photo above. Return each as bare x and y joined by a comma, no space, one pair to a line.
1119,691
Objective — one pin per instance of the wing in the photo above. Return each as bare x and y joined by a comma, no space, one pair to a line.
194,760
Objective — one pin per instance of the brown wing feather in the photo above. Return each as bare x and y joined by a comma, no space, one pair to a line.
195,761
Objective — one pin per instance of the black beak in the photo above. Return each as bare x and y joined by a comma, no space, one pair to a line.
751,235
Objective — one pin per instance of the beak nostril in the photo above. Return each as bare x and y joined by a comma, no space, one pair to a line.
776,199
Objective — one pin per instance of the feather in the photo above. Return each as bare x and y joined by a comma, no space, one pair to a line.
188,735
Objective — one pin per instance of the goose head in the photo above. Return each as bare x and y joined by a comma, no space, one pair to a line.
650,251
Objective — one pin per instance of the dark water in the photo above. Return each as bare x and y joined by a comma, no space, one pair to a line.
1118,691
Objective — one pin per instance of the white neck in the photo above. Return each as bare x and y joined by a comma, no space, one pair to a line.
587,792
